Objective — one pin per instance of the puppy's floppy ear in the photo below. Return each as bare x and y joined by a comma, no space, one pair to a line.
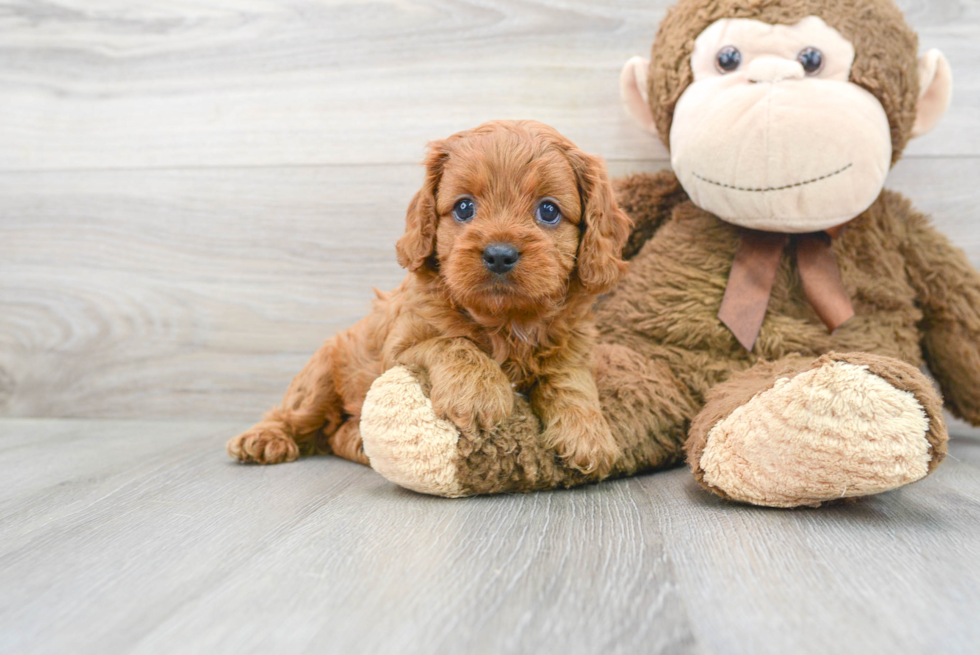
419,241
605,227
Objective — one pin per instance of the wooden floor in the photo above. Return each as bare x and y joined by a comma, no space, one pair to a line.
142,537
194,194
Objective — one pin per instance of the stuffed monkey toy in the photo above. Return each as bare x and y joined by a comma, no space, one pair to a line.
779,302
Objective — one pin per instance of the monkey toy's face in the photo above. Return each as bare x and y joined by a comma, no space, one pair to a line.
772,135
770,131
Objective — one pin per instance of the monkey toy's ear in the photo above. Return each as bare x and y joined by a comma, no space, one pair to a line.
633,90
935,91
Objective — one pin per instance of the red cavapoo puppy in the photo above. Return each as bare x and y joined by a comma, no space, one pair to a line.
511,238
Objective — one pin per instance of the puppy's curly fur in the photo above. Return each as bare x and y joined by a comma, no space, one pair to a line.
478,333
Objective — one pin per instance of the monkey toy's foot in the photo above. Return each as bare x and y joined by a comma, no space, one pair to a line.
405,440
410,445
801,432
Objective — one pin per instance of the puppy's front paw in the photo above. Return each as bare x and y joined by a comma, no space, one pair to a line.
265,443
584,441
477,402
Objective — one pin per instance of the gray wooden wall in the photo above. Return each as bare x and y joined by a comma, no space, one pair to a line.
194,194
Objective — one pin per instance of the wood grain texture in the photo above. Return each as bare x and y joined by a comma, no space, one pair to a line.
154,83
142,537
896,573
185,284
194,195
161,544
200,293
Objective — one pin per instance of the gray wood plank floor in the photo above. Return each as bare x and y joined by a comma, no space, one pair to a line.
142,537
151,83
194,194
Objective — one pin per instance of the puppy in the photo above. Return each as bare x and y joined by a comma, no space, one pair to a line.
511,238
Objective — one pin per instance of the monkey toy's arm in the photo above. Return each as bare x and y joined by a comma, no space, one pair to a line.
948,293
648,199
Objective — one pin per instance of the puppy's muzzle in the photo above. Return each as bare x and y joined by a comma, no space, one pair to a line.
500,258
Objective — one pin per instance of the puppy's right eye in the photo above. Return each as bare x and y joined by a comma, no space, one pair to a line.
548,212
464,209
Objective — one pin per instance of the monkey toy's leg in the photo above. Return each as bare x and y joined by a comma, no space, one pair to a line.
802,431
948,293
647,408
311,407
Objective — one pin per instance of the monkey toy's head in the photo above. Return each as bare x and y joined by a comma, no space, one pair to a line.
786,115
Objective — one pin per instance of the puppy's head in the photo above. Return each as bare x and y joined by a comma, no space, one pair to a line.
513,216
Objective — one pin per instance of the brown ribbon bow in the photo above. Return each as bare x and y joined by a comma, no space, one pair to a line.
754,271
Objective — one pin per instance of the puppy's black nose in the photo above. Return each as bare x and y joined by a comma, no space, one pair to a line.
500,257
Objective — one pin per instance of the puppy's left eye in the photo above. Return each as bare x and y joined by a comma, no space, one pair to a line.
549,213
464,209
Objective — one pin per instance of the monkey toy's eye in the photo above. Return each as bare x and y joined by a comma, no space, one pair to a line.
728,59
811,59
464,209
548,212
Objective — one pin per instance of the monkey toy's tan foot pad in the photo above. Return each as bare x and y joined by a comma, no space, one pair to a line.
410,445
801,432
404,439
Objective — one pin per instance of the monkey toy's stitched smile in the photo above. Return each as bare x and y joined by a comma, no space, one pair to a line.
773,188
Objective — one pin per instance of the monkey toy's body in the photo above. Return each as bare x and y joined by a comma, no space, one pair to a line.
916,301
786,383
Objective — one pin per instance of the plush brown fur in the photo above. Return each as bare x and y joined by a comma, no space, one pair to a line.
476,333
885,61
